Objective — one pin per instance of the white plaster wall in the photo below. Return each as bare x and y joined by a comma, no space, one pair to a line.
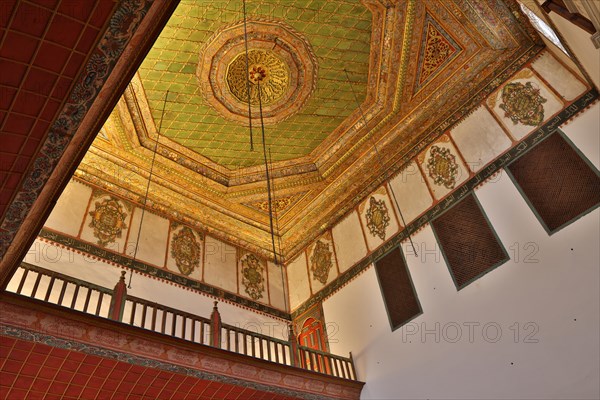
152,244
480,139
276,286
297,275
559,77
349,242
580,43
545,300
584,132
220,264
411,192
69,211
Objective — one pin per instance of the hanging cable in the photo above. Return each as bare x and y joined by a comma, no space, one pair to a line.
262,126
278,237
380,160
137,242
248,78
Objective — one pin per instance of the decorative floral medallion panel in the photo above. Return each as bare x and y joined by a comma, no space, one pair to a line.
108,220
523,103
281,63
378,218
253,277
321,261
266,69
186,250
442,167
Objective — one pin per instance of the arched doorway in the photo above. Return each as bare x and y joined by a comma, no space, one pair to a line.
312,335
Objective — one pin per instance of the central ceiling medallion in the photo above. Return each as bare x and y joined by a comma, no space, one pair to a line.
280,60
264,68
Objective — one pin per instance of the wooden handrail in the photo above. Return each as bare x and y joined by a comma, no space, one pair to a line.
327,363
144,314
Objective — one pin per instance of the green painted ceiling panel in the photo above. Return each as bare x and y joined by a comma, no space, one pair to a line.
339,34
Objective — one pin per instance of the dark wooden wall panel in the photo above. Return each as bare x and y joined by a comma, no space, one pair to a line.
468,241
557,182
398,293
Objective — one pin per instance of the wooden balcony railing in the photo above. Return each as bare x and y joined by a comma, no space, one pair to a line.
52,287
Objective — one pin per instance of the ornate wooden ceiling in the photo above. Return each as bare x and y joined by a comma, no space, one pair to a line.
416,67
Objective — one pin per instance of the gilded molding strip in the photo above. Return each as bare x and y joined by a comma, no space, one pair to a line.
517,151
156,272
61,343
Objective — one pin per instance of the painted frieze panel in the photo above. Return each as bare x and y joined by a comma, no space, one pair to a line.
568,86
69,211
107,221
480,139
297,274
524,103
185,251
322,262
443,167
378,218
153,231
253,277
277,286
220,264
349,241
411,192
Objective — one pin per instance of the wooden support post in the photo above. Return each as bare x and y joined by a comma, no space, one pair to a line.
294,353
352,368
119,296
215,327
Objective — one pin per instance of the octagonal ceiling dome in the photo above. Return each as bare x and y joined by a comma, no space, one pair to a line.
303,47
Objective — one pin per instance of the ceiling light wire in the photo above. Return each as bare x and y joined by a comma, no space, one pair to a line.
262,126
379,159
283,285
270,200
248,77
137,242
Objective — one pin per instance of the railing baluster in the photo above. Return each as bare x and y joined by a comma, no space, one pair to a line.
260,347
183,328
163,321
173,324
49,290
283,347
75,294
23,279
61,296
228,333
99,305
194,330
201,332
87,300
36,284
352,367
133,309
144,308
154,309
347,368
335,364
